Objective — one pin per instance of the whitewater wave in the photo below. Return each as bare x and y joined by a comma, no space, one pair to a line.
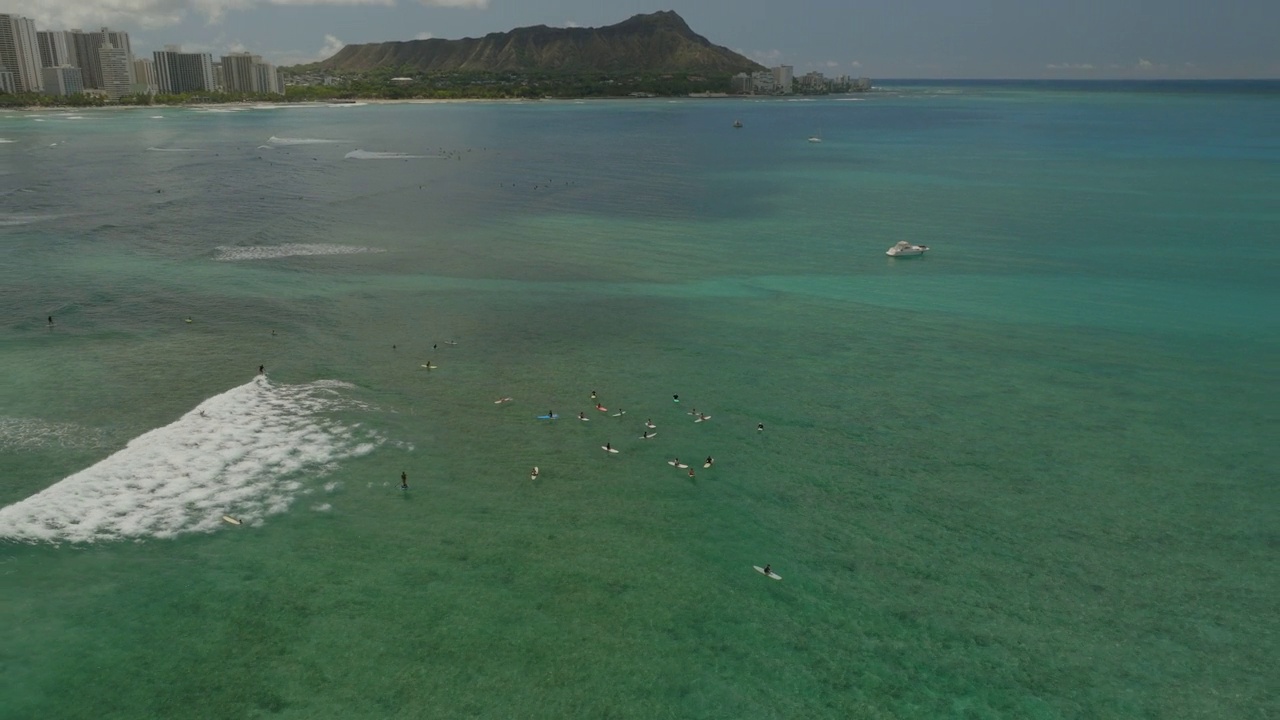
6,140
157,117
228,253
242,453
14,220
370,155
299,141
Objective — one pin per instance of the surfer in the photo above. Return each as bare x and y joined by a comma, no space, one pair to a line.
593,394
710,460
582,416
649,424
50,319
599,407
690,472
534,474
768,569
645,436
760,427
704,417
262,369
404,479
675,398
608,447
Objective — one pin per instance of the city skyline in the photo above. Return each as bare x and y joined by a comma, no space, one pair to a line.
1184,39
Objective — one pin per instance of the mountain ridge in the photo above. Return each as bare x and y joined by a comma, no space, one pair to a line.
659,42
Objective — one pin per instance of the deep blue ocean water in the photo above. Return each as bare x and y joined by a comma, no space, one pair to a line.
1032,474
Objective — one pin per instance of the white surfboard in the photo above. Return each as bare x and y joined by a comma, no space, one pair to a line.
534,475
499,401
649,425
618,414
585,419
706,465
770,574
650,435
708,417
609,449
430,367
233,521
673,463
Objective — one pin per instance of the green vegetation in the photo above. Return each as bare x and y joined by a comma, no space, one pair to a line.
414,84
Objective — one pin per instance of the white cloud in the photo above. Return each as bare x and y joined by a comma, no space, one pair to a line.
766,57
571,23
423,36
296,57
1069,66
1145,64
151,14
330,48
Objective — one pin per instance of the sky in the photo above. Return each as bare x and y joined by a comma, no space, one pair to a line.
1069,39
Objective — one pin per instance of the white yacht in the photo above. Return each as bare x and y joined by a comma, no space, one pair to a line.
905,249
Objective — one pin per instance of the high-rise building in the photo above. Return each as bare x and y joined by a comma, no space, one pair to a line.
83,47
237,72
144,74
20,52
7,85
246,73
63,80
117,71
179,72
53,48
266,79
782,77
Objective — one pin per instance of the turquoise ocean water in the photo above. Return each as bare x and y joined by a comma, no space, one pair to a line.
1032,474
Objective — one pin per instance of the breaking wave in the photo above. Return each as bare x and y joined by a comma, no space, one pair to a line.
228,253
370,155
242,453
299,141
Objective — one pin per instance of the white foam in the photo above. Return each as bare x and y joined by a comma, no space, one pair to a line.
228,253
243,453
299,141
347,105
156,149
157,117
322,507
331,486
370,155
12,220
6,140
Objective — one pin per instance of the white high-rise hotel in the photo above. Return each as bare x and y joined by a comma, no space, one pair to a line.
20,53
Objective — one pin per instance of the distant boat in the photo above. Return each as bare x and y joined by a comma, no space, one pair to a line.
816,137
737,123
905,249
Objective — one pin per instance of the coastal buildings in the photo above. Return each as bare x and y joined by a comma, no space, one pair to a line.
62,80
144,75
53,48
247,73
781,80
117,71
179,72
20,53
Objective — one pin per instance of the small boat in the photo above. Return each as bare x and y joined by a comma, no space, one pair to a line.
816,137
905,249
737,123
